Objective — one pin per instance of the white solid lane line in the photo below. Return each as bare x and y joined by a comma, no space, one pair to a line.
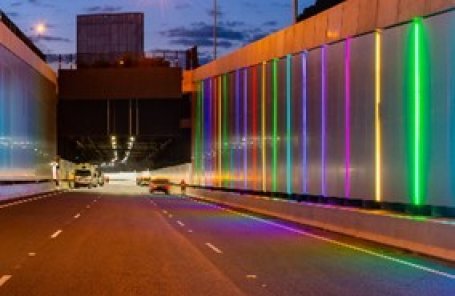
57,233
348,246
77,215
4,279
215,249
180,223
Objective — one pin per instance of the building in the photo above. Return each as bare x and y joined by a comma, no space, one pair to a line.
109,38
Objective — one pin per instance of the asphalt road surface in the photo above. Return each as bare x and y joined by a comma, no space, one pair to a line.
122,241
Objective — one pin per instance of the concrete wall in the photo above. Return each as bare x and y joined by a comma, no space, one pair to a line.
27,119
432,237
120,83
16,46
349,18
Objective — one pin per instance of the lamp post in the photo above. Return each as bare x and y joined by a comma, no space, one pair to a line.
215,26
295,9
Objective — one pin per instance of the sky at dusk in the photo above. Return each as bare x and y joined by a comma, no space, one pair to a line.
169,24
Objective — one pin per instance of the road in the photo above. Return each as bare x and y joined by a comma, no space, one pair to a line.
122,241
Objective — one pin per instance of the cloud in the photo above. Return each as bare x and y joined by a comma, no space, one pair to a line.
12,14
49,38
211,12
270,23
105,8
36,3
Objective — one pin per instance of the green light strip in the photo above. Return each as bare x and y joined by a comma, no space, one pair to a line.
417,111
275,125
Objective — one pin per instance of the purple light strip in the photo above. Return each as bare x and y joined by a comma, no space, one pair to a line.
347,75
304,122
245,128
323,116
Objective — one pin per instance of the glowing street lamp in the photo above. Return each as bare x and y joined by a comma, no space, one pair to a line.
40,28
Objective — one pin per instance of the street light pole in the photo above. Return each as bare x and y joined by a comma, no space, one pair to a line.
215,25
295,8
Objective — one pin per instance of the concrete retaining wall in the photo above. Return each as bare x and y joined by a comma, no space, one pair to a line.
8,192
433,237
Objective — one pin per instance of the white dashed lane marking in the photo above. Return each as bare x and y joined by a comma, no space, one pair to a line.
4,279
57,233
213,248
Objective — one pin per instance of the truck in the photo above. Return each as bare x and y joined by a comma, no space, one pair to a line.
85,175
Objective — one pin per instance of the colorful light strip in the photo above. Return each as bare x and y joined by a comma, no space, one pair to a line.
220,140
323,116
226,171
255,126
235,160
263,125
418,104
208,143
275,126
378,133
197,133
347,119
202,124
304,123
245,128
288,125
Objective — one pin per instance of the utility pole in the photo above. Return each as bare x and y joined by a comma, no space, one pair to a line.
215,25
295,10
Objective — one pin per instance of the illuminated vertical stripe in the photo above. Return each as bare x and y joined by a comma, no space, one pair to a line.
202,135
214,149
254,133
304,123
235,165
347,119
226,171
220,130
208,138
418,102
378,135
275,126
323,116
263,126
197,132
245,128
288,125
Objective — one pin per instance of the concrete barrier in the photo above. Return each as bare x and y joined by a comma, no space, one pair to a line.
11,192
429,236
